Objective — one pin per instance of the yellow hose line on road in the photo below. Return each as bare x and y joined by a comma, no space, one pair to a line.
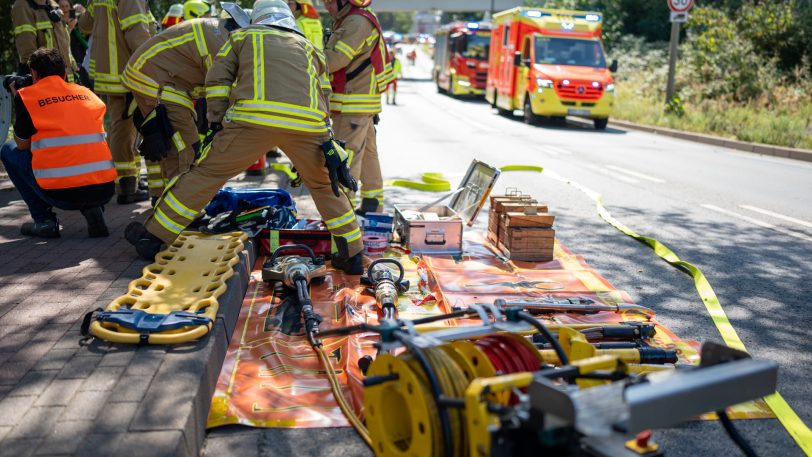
432,182
789,419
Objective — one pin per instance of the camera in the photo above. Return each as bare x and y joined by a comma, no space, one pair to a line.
19,81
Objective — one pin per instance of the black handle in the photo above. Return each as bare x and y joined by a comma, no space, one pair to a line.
392,261
289,247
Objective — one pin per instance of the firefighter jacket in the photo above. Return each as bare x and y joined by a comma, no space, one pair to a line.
33,29
69,148
174,63
118,27
312,29
275,78
358,62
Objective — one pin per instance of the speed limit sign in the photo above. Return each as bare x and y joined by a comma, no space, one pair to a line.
680,6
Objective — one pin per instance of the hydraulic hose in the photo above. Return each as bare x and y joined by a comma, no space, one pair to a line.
559,351
436,391
339,395
734,434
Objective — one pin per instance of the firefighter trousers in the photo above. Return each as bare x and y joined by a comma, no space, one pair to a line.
121,140
179,158
233,150
358,131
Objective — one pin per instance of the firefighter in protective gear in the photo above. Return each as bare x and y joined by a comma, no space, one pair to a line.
38,24
360,70
61,158
194,9
267,88
118,27
170,70
307,18
392,88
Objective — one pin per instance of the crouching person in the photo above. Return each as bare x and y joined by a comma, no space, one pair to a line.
61,159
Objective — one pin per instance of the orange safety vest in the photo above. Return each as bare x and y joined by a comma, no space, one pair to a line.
70,148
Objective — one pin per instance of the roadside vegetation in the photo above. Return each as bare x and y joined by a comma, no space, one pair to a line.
744,71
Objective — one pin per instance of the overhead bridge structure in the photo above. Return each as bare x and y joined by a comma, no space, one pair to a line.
444,5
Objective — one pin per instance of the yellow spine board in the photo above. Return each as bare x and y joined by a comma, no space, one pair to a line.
188,276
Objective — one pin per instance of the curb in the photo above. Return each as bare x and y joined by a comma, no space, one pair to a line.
757,148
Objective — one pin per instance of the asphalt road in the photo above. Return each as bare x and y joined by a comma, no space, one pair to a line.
744,219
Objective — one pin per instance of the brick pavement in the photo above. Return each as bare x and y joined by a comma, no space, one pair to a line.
58,397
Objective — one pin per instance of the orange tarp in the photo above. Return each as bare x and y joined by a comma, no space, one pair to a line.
272,378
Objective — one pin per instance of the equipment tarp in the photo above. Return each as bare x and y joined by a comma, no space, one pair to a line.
272,378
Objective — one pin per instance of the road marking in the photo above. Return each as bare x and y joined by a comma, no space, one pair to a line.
606,172
557,150
468,120
777,215
635,174
800,236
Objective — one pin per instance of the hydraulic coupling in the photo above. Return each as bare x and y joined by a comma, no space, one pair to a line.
383,285
297,272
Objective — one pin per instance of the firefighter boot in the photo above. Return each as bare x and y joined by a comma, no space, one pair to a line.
46,229
342,261
96,227
368,205
146,244
130,193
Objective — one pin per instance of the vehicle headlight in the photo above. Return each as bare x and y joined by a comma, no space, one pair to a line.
545,83
610,88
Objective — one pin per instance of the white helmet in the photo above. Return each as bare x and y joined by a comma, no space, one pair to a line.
273,12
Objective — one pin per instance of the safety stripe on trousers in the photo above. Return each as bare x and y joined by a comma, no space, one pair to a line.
782,410
179,207
340,221
166,222
350,236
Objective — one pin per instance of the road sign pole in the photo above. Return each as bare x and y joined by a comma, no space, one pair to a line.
672,60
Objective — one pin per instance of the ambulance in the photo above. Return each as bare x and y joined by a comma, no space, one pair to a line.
461,58
550,64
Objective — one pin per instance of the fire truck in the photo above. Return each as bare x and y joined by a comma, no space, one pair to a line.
461,58
550,64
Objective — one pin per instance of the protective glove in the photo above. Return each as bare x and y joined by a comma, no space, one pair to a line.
336,163
155,141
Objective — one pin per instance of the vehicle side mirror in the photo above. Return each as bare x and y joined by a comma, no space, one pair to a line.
613,66
517,59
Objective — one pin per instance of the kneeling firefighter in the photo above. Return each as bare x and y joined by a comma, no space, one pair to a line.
278,82
166,75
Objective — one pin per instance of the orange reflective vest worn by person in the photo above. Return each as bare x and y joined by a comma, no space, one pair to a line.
69,148
61,159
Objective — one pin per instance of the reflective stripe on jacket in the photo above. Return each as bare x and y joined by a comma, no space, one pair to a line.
276,78
69,148
118,27
33,30
174,63
359,67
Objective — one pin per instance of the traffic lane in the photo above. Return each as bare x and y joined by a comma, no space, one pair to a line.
672,295
773,184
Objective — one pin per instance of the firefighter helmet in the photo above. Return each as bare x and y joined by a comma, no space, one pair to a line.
273,12
193,9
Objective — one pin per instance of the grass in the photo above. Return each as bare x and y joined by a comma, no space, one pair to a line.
782,119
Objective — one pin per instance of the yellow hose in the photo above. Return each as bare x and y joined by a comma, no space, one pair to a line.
339,396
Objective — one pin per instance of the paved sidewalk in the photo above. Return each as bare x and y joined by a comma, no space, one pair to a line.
60,398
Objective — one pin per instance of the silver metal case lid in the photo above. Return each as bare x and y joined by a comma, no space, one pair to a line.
473,190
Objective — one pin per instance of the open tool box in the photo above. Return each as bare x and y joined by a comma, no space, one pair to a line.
436,228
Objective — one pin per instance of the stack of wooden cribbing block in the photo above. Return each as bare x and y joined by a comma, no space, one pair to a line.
521,228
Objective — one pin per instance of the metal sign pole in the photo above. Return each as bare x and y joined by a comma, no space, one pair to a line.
672,60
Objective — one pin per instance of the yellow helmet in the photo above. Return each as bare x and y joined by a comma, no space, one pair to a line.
193,9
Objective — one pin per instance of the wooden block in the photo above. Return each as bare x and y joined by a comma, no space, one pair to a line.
544,220
521,207
503,205
492,238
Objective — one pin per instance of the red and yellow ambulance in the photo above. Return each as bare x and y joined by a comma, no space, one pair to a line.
461,58
550,63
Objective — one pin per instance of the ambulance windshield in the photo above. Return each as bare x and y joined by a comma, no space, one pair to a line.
568,51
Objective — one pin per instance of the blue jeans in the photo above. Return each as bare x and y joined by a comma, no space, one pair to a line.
18,166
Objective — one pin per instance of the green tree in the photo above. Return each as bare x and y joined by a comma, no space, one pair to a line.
400,22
